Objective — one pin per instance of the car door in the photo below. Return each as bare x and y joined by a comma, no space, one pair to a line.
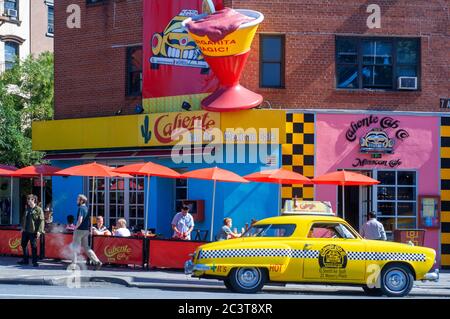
333,253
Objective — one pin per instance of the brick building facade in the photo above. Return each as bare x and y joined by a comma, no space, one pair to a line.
95,55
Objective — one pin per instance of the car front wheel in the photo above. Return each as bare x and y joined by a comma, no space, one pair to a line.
396,280
247,280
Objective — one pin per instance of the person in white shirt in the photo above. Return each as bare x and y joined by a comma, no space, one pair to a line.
373,229
122,230
183,224
100,228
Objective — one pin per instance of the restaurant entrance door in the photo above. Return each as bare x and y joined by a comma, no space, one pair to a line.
358,202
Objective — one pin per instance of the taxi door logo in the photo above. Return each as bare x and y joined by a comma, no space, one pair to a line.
174,46
332,262
14,245
332,256
117,253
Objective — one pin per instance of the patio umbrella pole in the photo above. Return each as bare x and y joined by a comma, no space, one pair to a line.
11,203
42,191
212,214
146,205
343,202
92,207
279,200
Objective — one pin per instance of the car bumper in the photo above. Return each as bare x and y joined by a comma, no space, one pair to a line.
190,267
431,276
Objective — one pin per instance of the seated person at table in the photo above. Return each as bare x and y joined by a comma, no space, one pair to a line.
100,228
122,230
48,215
183,224
70,227
226,232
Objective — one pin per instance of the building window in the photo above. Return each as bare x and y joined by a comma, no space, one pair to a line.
397,200
375,63
11,54
50,20
12,9
181,193
116,198
272,62
134,71
94,1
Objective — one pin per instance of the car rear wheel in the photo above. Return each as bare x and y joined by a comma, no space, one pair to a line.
373,291
396,280
247,280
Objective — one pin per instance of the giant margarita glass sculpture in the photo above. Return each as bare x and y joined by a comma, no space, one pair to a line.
226,50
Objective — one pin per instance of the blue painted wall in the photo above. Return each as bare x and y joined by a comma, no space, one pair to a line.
241,202
64,193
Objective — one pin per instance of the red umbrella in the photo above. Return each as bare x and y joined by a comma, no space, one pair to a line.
37,171
148,169
215,174
6,171
345,178
92,170
278,176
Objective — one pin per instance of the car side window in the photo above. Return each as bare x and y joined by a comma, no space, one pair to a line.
330,230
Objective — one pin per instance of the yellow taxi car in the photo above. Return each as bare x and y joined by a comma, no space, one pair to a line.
312,248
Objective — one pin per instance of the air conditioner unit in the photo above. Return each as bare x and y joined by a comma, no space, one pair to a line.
12,13
407,83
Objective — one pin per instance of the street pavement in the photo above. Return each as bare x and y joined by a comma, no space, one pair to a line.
126,282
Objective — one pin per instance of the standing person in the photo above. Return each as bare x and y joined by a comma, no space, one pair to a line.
100,228
81,233
48,216
32,228
373,229
226,232
183,224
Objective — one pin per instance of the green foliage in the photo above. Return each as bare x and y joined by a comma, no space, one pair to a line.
26,95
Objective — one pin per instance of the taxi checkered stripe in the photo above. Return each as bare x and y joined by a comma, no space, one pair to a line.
385,256
232,253
296,253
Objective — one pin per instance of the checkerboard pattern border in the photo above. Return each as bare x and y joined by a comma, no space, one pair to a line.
311,254
298,153
445,192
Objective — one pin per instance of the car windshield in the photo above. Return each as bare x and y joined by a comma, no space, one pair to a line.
270,230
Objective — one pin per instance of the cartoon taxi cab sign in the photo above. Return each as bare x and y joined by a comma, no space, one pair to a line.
300,248
174,46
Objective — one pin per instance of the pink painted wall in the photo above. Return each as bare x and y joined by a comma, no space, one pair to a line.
420,152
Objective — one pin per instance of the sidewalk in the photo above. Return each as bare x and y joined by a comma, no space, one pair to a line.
55,273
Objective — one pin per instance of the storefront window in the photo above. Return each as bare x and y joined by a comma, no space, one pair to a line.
397,200
181,192
119,198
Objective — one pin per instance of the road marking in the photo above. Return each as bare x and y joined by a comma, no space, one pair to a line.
55,296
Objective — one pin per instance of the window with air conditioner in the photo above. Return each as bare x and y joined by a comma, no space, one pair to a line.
377,63
11,9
